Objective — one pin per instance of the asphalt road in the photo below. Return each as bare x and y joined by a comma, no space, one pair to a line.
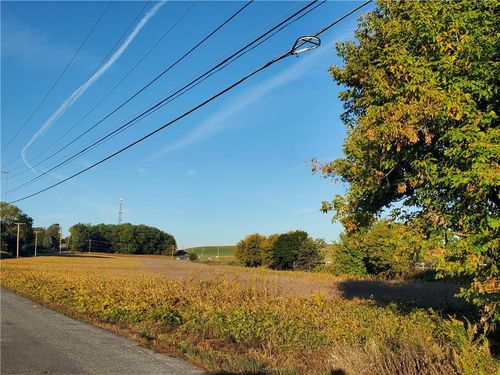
37,340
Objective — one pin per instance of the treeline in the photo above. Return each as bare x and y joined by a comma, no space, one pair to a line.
121,238
386,249
294,250
47,239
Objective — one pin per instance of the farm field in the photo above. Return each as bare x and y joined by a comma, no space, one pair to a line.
213,251
241,320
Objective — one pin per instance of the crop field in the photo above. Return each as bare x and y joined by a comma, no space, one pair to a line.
236,320
212,251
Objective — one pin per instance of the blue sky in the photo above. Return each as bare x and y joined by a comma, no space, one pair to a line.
235,167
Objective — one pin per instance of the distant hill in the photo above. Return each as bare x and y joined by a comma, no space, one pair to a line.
211,251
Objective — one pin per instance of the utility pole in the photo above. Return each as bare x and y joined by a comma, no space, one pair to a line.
36,240
60,241
90,244
218,252
120,211
18,231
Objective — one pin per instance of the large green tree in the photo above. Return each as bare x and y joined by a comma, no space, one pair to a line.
421,110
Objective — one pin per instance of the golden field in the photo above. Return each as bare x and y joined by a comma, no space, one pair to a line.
240,320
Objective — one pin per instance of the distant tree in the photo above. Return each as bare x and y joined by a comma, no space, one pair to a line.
310,255
421,98
9,216
40,237
266,251
51,237
295,250
80,236
249,250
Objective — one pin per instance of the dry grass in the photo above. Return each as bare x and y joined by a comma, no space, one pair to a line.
240,320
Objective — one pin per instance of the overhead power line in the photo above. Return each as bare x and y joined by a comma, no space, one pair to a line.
58,78
240,52
166,70
50,147
101,64
27,169
301,45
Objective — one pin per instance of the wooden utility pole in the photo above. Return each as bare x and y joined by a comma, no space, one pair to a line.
36,240
60,241
18,231
90,244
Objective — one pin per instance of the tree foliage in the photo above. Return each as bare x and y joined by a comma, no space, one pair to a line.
295,250
384,248
122,238
292,250
250,249
421,102
52,236
9,216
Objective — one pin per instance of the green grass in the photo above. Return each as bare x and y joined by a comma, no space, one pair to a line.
211,251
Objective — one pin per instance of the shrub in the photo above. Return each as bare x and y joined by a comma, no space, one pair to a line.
249,250
348,258
385,248
193,256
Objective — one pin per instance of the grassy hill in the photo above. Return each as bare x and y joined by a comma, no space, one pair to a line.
211,251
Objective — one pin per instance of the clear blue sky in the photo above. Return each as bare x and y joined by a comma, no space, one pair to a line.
238,166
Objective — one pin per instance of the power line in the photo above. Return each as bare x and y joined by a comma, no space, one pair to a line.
186,54
166,33
105,96
103,61
303,41
88,130
171,97
59,77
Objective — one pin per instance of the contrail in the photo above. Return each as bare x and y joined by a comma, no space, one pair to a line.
81,90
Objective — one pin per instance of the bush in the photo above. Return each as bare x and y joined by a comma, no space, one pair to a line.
295,250
250,249
348,258
385,248
193,256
